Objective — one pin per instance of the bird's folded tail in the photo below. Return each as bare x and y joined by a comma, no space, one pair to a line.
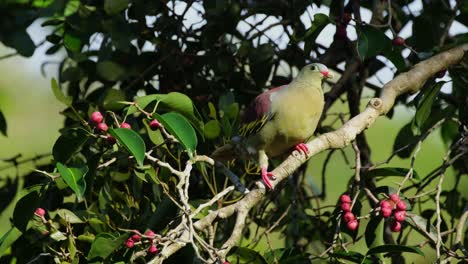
224,153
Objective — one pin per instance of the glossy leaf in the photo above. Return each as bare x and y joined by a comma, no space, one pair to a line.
24,209
110,71
374,232
174,101
68,144
69,216
371,41
26,205
20,41
67,100
422,225
8,239
424,107
74,178
72,43
394,248
112,100
180,128
104,244
391,171
212,129
243,255
115,6
132,141
318,24
352,256
3,124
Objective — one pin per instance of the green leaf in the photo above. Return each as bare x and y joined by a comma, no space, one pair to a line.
110,71
71,7
25,208
20,41
72,43
261,62
449,131
113,7
212,129
374,232
391,171
69,143
422,225
394,248
58,236
287,256
352,256
74,178
180,128
3,124
132,141
69,216
112,100
424,107
394,55
67,100
371,41
8,239
154,135
319,23
104,244
243,255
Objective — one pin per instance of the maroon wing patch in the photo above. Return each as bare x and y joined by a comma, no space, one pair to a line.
258,113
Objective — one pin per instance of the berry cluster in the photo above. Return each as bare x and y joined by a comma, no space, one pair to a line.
394,206
148,237
348,216
97,119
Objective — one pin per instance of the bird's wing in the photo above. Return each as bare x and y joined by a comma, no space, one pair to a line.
259,112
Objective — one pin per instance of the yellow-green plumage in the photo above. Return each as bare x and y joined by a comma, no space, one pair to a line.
280,119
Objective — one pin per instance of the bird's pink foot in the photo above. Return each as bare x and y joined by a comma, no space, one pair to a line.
266,176
301,147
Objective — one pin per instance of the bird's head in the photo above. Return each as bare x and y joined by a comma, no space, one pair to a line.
316,70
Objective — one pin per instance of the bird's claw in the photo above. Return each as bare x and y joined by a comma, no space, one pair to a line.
301,147
266,176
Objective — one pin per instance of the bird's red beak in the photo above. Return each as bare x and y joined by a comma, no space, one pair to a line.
327,74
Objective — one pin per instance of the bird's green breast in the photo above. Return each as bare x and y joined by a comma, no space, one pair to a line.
296,114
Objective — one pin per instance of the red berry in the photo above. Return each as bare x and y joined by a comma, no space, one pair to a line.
40,212
386,212
96,117
136,237
352,225
153,250
111,139
348,216
226,262
150,233
129,243
154,124
401,206
398,41
125,125
395,226
385,204
346,207
102,127
345,198
394,197
400,216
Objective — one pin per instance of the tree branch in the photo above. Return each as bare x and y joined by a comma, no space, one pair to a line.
408,82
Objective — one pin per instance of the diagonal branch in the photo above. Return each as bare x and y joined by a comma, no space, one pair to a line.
408,82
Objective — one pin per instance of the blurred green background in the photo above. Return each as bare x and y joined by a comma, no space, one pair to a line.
33,118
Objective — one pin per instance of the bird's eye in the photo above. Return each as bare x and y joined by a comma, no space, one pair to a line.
312,68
